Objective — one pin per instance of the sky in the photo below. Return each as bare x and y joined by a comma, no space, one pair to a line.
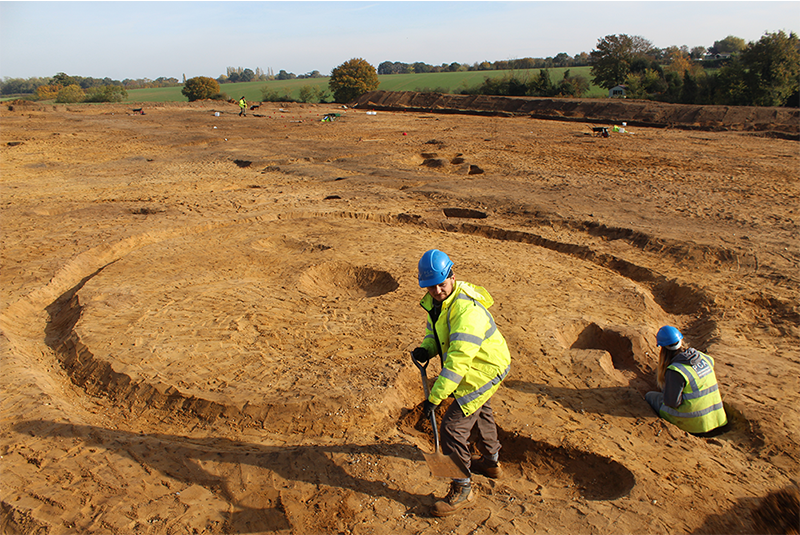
150,39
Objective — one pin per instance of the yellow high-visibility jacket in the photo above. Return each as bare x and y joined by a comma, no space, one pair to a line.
474,353
701,408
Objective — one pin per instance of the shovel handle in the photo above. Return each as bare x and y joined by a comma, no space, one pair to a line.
435,433
432,415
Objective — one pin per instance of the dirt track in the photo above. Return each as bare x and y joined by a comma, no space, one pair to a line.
206,320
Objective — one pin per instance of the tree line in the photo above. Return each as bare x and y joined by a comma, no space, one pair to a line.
731,72
20,86
730,44
239,74
761,73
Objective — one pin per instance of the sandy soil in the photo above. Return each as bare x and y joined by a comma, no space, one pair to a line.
206,320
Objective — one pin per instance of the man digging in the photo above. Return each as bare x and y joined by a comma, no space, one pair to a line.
475,360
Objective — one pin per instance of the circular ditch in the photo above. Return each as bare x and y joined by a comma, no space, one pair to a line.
301,324
464,213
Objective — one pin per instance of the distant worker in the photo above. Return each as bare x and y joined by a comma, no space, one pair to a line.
242,107
690,395
475,359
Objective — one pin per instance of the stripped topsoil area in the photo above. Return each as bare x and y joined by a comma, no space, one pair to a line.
206,319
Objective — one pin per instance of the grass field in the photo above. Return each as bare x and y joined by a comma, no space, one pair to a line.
452,82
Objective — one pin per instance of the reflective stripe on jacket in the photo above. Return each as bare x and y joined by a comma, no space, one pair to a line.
701,406
475,355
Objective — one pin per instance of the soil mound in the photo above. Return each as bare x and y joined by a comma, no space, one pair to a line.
782,122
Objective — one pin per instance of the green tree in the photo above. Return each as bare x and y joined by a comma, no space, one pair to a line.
310,93
273,95
352,79
572,86
689,90
70,94
580,59
773,64
729,45
541,85
562,59
420,67
733,86
306,93
247,75
12,86
509,84
698,52
387,67
63,80
199,88
611,61
106,93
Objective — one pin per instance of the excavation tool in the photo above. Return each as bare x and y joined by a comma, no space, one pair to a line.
441,465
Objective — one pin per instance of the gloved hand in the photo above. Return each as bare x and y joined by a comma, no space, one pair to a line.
428,407
420,354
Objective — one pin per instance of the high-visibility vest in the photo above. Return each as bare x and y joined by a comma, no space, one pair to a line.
701,408
475,355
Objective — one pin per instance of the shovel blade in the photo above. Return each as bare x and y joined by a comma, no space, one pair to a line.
442,465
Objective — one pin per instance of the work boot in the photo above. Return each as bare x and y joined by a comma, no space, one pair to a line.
486,467
460,496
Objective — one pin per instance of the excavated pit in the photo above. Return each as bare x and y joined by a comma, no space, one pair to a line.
564,471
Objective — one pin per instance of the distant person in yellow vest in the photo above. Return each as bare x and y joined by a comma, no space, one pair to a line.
690,395
242,107
475,360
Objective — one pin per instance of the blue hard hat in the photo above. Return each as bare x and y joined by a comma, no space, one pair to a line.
668,336
434,267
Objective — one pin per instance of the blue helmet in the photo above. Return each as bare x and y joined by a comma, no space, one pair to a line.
668,337
434,267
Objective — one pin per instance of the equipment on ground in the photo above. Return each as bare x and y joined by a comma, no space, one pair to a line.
441,465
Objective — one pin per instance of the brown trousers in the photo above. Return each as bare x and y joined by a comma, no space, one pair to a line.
456,430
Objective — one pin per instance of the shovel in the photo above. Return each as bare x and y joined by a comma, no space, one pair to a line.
441,465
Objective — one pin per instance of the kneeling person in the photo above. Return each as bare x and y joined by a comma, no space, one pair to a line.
690,395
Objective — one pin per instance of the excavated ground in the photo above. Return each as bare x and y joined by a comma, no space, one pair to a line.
206,320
